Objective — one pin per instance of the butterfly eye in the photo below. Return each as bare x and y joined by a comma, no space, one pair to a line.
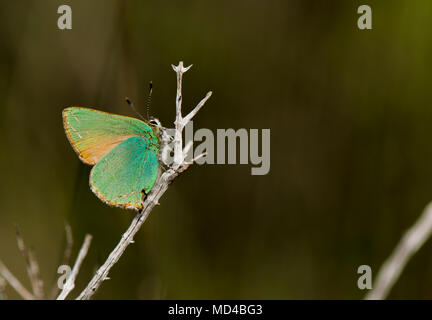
154,122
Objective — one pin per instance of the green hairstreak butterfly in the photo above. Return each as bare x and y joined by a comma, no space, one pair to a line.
123,150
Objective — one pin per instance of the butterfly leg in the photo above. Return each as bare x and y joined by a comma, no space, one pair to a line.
144,197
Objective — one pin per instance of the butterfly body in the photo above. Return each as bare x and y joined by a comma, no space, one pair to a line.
123,150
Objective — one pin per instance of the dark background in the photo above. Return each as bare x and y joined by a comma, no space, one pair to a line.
351,149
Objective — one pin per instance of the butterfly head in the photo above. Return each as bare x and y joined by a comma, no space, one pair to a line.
165,139
163,132
155,122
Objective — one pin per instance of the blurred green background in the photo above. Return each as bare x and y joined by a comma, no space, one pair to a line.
351,143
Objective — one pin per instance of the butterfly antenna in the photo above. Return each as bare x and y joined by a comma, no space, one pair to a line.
133,108
149,99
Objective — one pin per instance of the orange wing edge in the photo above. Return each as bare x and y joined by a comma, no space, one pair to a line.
66,126
128,206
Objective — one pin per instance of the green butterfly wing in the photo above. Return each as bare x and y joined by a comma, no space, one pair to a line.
93,133
131,167
124,151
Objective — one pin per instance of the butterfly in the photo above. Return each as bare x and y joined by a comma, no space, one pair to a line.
123,151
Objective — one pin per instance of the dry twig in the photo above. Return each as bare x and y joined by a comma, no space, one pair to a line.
410,243
14,282
32,267
166,178
70,282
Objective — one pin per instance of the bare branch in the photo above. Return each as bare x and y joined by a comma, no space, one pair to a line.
179,165
196,109
70,282
410,243
10,278
186,150
152,199
199,156
178,141
32,267
38,287
69,244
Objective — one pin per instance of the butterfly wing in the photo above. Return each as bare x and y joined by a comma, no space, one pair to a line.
131,167
94,133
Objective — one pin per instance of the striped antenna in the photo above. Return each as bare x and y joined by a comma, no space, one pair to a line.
133,108
149,99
